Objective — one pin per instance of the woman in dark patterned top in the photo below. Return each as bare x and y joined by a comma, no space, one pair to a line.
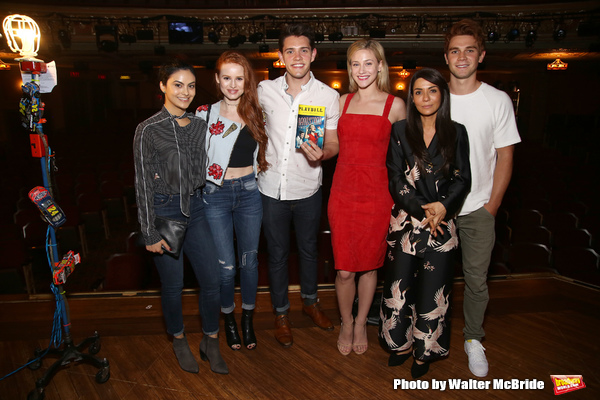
170,170
430,176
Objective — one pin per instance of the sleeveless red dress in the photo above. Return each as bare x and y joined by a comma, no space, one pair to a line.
360,203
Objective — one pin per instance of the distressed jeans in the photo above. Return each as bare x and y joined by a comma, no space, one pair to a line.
235,209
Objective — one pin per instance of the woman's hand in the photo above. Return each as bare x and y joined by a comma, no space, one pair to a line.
158,247
434,213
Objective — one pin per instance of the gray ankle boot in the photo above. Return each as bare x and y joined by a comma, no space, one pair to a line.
209,350
184,355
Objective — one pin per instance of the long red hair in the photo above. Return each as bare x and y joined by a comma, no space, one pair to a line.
249,108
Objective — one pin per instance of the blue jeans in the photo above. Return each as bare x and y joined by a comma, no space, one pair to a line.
199,247
235,207
278,215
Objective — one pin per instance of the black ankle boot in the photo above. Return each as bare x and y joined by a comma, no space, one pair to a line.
418,370
209,350
231,332
398,359
248,329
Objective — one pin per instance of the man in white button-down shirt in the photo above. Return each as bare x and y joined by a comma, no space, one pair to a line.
291,187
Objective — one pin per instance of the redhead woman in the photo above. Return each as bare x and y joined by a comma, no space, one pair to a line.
236,144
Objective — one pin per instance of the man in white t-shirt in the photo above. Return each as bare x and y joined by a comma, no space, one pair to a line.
489,118
291,187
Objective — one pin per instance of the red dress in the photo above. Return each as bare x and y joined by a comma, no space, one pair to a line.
360,203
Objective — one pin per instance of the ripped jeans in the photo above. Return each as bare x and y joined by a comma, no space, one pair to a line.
235,208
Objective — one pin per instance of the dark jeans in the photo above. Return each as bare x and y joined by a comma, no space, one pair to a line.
235,206
200,249
277,218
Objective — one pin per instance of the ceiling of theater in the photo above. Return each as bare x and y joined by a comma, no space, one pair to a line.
411,31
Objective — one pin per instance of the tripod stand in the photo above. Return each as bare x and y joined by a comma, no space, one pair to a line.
68,353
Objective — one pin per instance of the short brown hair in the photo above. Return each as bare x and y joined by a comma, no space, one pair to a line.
466,27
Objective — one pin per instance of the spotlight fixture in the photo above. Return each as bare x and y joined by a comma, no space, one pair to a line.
336,36
214,36
493,36
377,33
144,34
559,34
256,37
530,38
235,41
273,33
106,38
127,38
513,34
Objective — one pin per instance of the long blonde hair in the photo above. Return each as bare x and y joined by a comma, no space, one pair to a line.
383,78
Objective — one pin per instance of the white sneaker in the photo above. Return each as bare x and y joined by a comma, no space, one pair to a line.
477,362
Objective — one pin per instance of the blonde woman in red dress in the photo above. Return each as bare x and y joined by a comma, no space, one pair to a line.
360,202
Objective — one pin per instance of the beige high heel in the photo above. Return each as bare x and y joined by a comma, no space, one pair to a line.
360,348
345,348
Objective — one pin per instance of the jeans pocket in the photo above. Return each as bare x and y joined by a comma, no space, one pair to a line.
209,188
162,200
250,185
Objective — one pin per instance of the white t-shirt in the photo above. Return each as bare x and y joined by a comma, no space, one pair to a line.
290,175
489,118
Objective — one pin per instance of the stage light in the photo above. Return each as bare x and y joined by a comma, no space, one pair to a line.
103,35
513,34
336,36
22,35
235,41
273,33
493,36
256,37
377,33
530,38
127,38
559,34
214,36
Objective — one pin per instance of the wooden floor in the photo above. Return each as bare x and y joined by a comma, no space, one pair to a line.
536,326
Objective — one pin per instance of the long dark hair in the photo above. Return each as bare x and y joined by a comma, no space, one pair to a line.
249,108
445,130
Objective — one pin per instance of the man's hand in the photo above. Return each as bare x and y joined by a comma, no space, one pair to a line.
312,151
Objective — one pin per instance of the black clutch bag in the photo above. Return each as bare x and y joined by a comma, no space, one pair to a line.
173,232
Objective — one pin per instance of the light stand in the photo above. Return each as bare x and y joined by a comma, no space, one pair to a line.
23,36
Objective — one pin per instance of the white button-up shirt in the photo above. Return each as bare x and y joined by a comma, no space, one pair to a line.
291,176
